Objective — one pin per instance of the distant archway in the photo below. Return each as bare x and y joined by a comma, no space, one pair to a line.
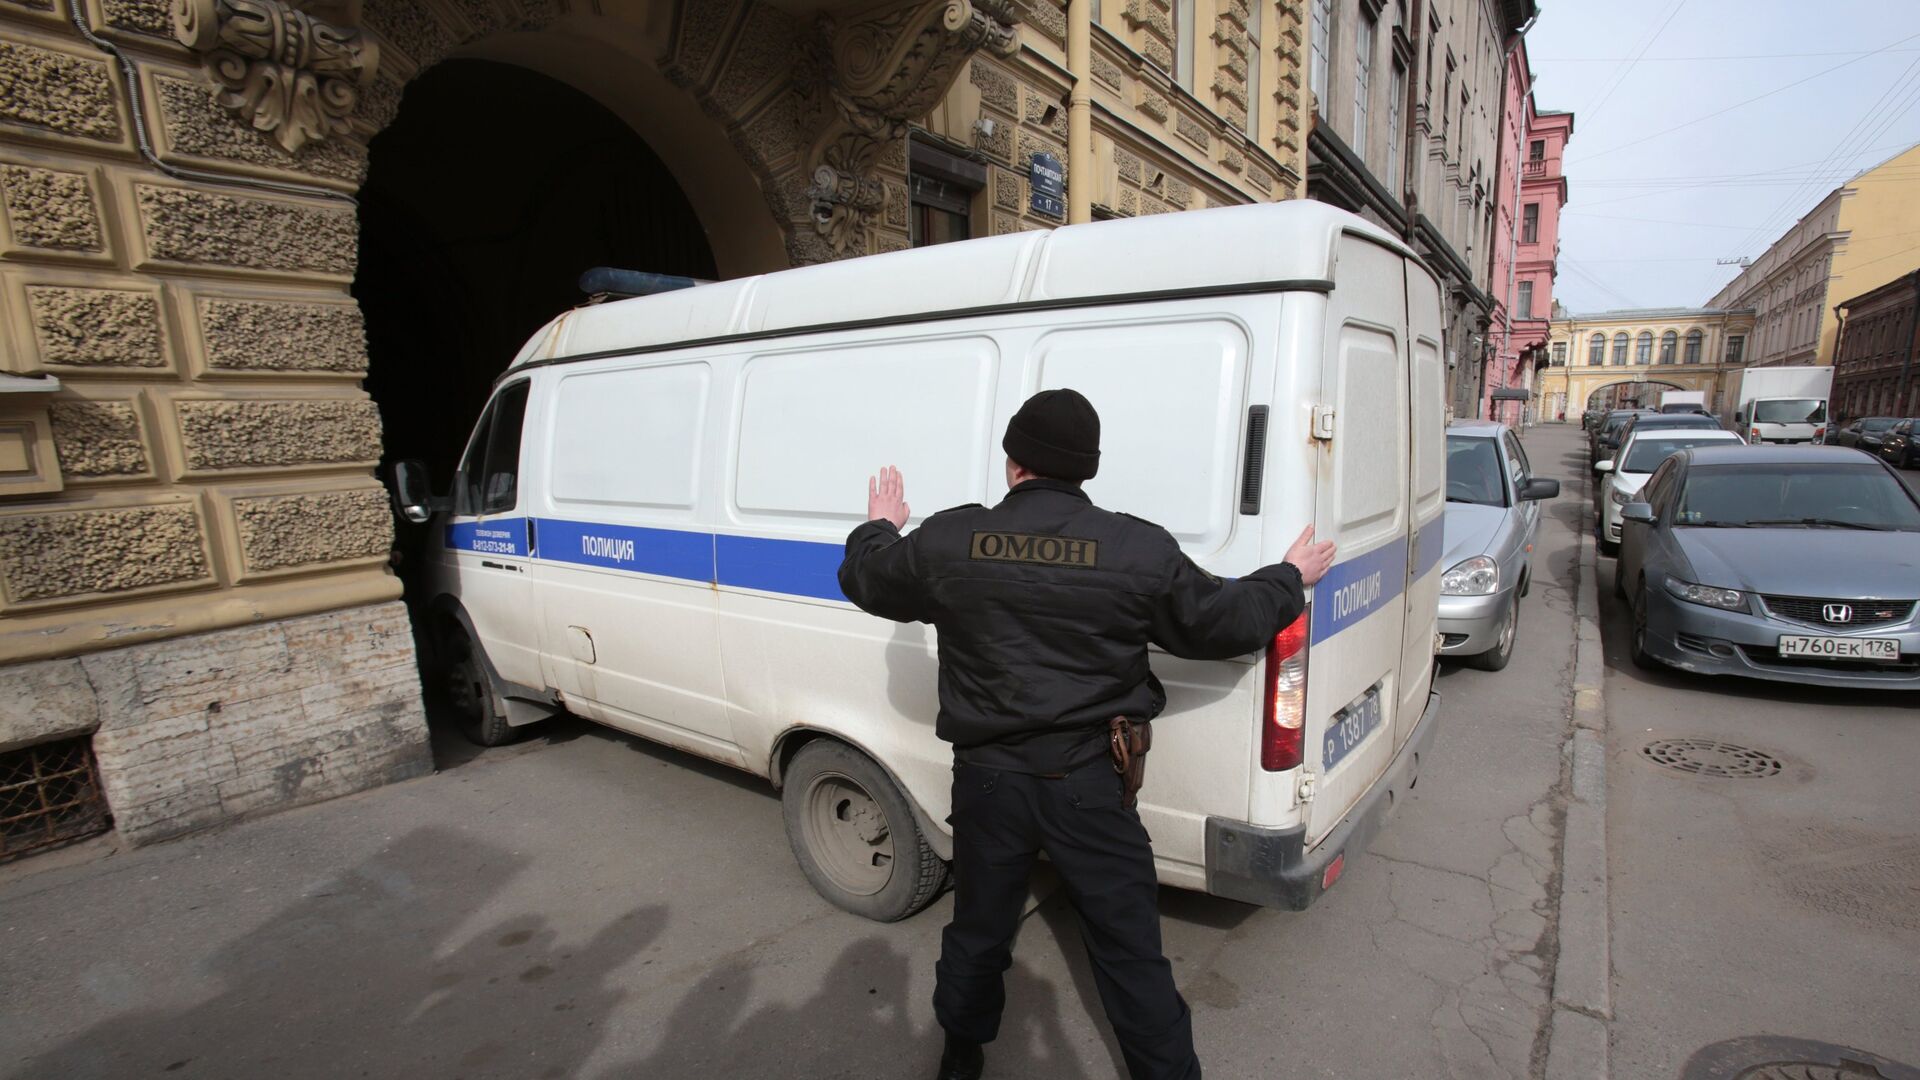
1629,394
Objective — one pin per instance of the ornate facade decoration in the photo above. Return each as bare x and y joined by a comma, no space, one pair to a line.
282,71
871,77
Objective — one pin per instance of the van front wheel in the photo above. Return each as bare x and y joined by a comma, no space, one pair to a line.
854,835
483,719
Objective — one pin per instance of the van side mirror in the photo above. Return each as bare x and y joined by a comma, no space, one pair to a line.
1536,488
1740,416
413,492
1604,465
1637,511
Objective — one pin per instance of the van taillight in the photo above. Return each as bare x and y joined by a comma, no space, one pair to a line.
1283,729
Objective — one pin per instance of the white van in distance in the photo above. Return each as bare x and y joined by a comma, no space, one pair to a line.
647,521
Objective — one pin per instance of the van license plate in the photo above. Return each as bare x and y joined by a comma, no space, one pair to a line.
1840,648
1349,728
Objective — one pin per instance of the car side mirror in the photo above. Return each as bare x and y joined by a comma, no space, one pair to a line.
413,492
1637,511
1740,417
1536,488
1605,465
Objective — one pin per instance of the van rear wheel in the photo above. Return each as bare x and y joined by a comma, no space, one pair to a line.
855,836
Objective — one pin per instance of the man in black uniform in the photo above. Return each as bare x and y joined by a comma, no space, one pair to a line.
1045,605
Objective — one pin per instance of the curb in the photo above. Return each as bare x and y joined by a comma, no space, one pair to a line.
1577,1041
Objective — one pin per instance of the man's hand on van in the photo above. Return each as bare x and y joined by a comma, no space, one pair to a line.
1311,559
887,498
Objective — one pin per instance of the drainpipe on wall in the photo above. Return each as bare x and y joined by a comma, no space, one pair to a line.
1839,353
1907,406
1080,111
1513,242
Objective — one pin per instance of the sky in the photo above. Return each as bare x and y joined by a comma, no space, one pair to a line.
1650,210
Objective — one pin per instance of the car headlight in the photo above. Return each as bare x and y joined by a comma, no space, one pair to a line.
1478,576
1620,498
1709,595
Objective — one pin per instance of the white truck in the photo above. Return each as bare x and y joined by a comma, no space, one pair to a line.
1780,404
1676,401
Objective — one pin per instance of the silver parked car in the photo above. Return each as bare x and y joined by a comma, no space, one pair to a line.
1493,510
1794,563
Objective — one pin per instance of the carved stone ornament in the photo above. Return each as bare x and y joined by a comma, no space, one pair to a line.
870,78
281,70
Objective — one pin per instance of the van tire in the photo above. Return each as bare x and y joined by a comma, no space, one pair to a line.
1496,658
469,686
881,869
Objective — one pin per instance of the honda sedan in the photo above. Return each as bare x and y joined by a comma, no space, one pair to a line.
1793,563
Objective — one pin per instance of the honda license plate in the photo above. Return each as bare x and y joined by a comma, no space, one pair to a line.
1817,647
1349,728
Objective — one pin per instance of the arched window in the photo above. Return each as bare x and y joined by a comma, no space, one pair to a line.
1620,349
1693,346
1669,343
1643,348
1597,350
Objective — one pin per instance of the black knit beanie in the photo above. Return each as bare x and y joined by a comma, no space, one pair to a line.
1055,434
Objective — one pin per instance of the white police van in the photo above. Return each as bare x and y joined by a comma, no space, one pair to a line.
647,521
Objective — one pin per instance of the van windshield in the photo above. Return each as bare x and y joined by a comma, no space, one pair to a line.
1789,411
1473,472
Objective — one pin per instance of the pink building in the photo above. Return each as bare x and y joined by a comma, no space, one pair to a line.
1530,191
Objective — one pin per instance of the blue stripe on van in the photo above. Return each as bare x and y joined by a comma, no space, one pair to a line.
794,567
501,536
1357,588
674,553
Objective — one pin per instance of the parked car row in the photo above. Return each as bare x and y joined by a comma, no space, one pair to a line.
1891,438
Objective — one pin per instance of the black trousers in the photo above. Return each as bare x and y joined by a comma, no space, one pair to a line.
1001,821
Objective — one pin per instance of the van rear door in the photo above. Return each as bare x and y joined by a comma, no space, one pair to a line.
1354,665
1426,497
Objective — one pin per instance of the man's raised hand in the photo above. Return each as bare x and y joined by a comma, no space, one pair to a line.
887,498
1311,559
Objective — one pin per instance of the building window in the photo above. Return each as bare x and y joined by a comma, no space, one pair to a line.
1643,348
1559,354
1362,81
940,188
1395,134
1669,342
1537,150
1597,350
1736,345
1530,223
1254,19
1692,354
1620,349
1523,307
1322,59
1183,43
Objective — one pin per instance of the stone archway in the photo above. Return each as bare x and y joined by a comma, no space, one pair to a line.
1638,390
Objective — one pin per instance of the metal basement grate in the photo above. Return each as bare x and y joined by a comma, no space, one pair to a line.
1710,757
49,794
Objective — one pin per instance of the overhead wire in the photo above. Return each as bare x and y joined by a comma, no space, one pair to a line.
1619,78
1739,104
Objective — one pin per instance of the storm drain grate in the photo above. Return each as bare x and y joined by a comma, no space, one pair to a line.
49,794
1710,757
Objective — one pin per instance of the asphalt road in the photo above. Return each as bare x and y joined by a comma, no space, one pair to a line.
586,904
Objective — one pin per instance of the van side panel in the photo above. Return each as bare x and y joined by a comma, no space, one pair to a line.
1354,659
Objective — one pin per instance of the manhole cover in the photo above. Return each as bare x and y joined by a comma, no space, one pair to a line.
1768,1057
1710,757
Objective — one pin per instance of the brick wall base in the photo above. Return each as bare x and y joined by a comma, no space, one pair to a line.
199,730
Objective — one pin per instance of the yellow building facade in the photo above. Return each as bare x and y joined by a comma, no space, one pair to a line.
1865,233
1621,358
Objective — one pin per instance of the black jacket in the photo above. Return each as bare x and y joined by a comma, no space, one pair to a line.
1045,605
